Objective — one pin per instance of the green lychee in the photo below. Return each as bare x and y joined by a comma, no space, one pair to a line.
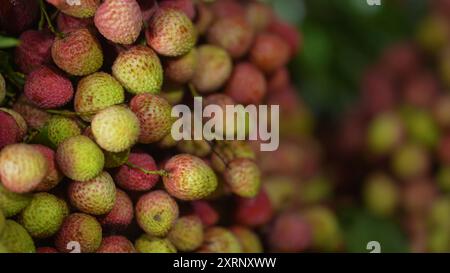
281,191
244,177
200,148
16,239
12,203
187,233
35,118
250,241
148,244
326,232
410,161
220,240
79,158
21,123
181,69
384,133
381,195
60,128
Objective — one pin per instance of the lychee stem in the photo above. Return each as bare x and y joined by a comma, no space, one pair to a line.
157,172
46,18
194,92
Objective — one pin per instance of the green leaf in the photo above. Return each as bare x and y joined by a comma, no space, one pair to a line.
8,42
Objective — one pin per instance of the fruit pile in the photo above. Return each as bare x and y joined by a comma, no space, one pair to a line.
87,159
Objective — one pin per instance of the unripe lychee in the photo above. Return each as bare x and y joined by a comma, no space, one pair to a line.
233,34
290,233
410,161
116,244
326,233
149,244
12,203
187,233
79,158
381,195
154,114
119,21
170,33
250,241
81,9
207,214
259,15
269,52
121,215
220,240
53,176
78,53
35,117
60,128
186,6
16,239
244,177
134,179
43,217
181,69
247,84
81,228
255,211
385,133
139,70
214,67
421,127
96,196
281,191
22,168
115,128
97,92
156,212
67,23
34,50
189,177
200,148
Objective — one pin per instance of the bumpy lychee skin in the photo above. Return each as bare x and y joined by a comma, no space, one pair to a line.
139,70
81,228
10,132
78,53
34,117
12,203
67,23
214,67
119,21
154,114
247,84
186,6
34,50
249,240
43,217
60,128
116,244
82,9
156,212
54,176
116,128
96,196
187,233
233,34
134,179
244,177
220,240
149,244
79,158
189,178
22,168
20,121
97,92
254,212
269,52
170,33
290,233
121,215
16,239
410,161
181,70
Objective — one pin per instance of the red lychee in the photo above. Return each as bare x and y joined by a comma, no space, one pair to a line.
247,84
254,211
134,179
34,50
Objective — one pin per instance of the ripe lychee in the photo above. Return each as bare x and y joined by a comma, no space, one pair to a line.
10,132
247,84
156,212
12,203
149,244
43,217
53,176
35,117
259,15
139,70
280,80
22,168
115,128
226,151
255,211
81,228
121,215
200,148
34,50
154,114
214,67
287,32
96,196
186,6
119,21
67,23
244,177
189,177
97,92
60,128
79,158
78,53
205,18
134,179
233,34
116,244
16,239
220,240
181,69
250,241
290,233
187,233
269,52
170,33
207,214
82,8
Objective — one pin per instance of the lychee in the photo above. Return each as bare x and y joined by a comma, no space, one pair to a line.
34,50
121,215
16,239
255,211
60,128
173,93
156,212
279,80
269,52
134,179
326,233
154,114
10,132
226,151
290,233
34,117
53,176
207,214
81,228
200,148
139,70
82,9
116,244
78,53
220,240
115,160
385,132
247,84
12,203
186,6
280,190
244,177
96,196
149,244
67,23
421,127
79,158
249,240
410,161
181,69
17,16
187,233
259,15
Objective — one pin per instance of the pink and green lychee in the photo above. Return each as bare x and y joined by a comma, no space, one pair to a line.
121,215
244,177
226,151
96,196
15,238
20,121
181,69
60,128
187,233
149,244
43,217
116,244
54,176
316,189
12,203
381,195
220,240
79,158
249,240
34,117
139,70
79,9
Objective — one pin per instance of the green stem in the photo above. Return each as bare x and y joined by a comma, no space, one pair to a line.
157,172
44,15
